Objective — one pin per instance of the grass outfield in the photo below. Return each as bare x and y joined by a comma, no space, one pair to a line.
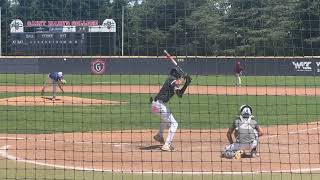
192,112
219,80
13,170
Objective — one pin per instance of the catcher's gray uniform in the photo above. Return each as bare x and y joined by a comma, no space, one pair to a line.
246,134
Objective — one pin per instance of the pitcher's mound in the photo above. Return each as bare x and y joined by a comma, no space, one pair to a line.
60,100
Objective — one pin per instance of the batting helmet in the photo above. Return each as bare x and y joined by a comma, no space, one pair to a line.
245,111
175,72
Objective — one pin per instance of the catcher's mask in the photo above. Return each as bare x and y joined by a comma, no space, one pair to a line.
245,111
175,72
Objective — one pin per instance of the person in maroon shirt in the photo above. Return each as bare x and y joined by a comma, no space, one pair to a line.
238,69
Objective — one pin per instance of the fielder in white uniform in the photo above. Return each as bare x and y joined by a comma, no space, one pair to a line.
247,133
158,106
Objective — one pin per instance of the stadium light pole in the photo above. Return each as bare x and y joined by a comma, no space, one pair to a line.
122,30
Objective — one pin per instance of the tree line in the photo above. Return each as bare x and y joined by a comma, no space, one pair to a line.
188,27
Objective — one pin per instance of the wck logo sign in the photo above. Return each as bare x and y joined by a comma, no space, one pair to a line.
318,67
302,66
98,66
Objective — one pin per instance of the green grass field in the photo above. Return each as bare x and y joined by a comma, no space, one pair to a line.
192,112
13,170
219,80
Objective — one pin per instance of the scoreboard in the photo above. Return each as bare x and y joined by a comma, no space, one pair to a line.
31,43
63,41
63,44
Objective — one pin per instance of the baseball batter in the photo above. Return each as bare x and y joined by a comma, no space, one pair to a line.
170,87
54,78
247,133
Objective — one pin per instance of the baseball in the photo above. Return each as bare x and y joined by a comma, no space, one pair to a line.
65,59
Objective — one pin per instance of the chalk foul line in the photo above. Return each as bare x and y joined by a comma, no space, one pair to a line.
5,154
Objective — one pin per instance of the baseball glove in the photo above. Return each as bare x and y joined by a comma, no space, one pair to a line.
63,81
238,154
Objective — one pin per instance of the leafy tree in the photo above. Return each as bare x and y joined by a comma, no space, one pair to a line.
189,27
257,27
204,28
161,25
307,34
6,18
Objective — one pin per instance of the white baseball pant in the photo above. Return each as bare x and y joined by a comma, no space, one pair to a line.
54,86
167,120
238,79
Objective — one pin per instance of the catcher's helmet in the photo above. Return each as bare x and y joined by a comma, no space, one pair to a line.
245,111
175,72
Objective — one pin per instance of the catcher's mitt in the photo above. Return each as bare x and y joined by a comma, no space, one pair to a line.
238,154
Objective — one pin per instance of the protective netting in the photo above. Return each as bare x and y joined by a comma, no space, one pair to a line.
159,89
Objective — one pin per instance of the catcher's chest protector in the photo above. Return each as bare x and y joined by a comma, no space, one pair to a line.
246,131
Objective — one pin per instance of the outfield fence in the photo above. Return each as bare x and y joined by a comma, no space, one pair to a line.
254,66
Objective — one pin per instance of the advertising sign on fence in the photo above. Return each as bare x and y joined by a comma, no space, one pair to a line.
98,66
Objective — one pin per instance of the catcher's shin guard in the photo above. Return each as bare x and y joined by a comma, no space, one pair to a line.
229,154
254,153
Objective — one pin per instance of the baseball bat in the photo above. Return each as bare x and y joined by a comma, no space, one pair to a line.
174,62
171,58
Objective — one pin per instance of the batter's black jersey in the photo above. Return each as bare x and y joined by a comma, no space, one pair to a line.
167,90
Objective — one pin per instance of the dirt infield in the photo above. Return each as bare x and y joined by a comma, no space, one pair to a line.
59,101
203,90
292,148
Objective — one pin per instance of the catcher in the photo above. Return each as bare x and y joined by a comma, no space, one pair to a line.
170,87
247,133
54,78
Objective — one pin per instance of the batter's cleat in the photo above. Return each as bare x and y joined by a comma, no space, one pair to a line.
159,138
238,154
167,147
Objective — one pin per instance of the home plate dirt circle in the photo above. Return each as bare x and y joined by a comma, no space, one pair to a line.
60,100
198,151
